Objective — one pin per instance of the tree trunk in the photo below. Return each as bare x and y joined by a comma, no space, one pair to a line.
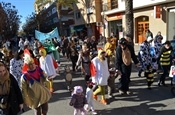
129,18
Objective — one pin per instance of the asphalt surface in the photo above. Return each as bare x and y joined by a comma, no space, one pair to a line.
157,101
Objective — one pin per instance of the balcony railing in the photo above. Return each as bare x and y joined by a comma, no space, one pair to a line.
110,5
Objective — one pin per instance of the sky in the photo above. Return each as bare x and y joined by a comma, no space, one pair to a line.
24,7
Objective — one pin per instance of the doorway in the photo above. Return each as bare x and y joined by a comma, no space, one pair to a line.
142,25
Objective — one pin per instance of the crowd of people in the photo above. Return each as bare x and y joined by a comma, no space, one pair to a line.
27,75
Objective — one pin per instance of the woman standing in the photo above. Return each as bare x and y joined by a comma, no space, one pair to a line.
9,91
16,65
72,53
84,58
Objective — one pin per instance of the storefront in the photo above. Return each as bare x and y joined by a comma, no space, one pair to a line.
115,25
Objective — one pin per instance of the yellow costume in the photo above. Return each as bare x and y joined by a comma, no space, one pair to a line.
108,48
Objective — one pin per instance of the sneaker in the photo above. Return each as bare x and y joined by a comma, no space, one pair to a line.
110,96
103,101
158,84
95,97
128,92
121,92
68,88
94,113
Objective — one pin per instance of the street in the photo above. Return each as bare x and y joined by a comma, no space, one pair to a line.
157,101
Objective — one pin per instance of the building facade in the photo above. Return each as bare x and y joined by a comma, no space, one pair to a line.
53,18
88,19
156,15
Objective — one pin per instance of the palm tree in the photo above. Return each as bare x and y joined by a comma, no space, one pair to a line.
129,18
59,5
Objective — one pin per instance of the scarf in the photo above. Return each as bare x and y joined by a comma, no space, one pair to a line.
5,84
126,56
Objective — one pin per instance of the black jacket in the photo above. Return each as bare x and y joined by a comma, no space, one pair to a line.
119,60
15,97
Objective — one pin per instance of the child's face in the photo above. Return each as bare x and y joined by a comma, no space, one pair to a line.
90,86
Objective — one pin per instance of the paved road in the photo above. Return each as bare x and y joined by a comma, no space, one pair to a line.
158,101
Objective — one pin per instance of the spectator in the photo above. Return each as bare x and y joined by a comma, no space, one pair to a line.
11,97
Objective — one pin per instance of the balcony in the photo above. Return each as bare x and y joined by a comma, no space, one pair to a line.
110,5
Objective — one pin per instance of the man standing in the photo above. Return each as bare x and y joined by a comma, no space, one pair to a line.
124,54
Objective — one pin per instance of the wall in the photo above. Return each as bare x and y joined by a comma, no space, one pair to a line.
82,8
137,4
171,25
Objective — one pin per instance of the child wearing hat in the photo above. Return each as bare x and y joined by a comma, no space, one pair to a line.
78,101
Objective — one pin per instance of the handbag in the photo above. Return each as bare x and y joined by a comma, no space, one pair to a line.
172,71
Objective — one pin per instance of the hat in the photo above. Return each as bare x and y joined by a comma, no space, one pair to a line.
78,89
149,38
123,41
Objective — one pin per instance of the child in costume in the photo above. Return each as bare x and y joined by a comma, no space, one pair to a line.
111,82
89,97
51,49
47,65
100,75
149,74
78,100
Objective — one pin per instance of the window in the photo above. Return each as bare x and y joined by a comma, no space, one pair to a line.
78,15
114,4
